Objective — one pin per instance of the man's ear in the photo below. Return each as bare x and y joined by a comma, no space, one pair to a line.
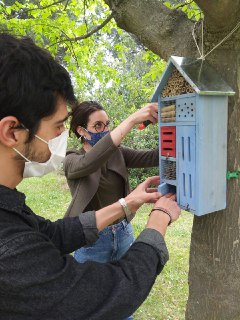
10,133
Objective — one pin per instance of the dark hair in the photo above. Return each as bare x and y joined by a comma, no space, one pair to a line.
81,113
31,82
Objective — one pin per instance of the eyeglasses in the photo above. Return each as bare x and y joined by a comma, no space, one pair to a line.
99,126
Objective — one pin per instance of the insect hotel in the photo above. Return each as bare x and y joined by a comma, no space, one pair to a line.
193,110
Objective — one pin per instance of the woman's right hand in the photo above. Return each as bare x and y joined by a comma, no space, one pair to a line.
149,112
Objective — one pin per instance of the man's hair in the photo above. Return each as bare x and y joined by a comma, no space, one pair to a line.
81,113
31,82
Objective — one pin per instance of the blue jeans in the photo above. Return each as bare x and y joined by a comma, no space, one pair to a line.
113,243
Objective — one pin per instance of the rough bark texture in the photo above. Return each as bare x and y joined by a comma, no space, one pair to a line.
160,29
214,286
214,272
220,13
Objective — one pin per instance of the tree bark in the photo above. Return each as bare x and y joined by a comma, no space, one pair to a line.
159,28
216,11
214,286
214,271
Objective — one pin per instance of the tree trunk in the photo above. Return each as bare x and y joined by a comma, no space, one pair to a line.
214,273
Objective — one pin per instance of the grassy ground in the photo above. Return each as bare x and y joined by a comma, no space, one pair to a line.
49,197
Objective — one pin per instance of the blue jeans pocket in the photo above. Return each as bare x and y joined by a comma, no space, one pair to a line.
113,243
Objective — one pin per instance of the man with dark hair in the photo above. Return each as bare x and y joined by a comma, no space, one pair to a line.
38,277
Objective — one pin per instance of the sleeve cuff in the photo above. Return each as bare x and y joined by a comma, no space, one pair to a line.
88,221
156,240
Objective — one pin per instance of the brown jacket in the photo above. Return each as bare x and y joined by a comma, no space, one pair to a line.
83,169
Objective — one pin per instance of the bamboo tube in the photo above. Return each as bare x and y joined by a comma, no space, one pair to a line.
176,85
168,114
171,107
172,119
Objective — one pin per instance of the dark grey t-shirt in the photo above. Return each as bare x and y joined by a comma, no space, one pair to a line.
107,192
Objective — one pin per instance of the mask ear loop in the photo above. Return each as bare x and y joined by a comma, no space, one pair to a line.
18,152
41,139
82,136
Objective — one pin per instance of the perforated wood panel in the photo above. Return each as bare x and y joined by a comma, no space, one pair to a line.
186,109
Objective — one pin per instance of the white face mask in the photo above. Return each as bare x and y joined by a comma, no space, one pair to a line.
57,147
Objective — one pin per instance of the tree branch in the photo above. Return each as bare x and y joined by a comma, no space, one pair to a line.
65,7
159,28
84,14
42,8
87,35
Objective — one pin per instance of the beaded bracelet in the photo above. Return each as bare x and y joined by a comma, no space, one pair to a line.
165,211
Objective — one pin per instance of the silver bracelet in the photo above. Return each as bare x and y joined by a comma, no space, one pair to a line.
129,215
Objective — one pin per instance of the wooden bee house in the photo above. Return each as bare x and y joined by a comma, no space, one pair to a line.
193,109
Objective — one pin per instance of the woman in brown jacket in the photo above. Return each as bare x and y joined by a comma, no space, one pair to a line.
97,173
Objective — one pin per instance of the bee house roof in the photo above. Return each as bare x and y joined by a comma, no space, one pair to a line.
201,76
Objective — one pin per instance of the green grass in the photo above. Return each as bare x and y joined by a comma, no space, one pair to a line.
168,298
50,196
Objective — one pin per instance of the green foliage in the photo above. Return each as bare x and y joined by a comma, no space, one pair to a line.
188,6
95,61
49,197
